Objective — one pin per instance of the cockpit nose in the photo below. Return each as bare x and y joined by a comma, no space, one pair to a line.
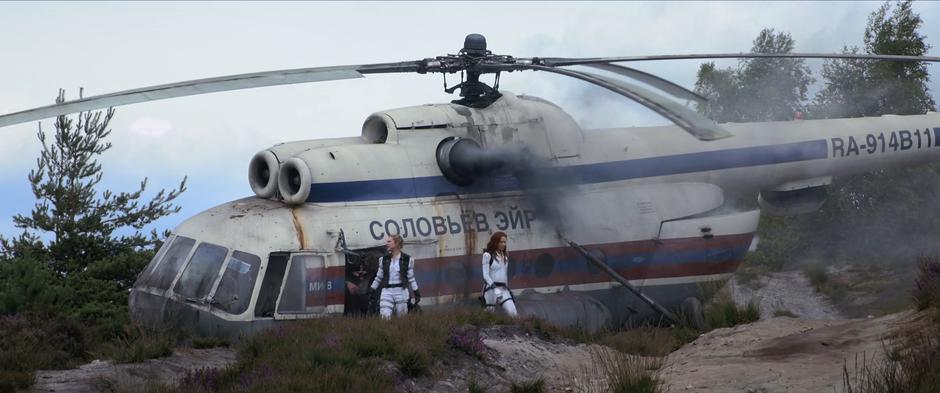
205,276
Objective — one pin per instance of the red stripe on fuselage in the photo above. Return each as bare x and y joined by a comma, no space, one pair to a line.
452,271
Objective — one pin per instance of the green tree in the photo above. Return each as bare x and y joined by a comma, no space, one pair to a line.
762,89
81,249
82,224
886,218
855,88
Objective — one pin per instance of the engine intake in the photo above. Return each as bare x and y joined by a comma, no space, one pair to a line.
294,181
262,174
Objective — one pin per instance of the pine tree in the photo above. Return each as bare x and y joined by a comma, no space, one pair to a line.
82,224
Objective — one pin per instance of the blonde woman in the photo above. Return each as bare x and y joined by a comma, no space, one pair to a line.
395,275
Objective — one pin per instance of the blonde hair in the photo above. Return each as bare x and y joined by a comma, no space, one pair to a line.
398,240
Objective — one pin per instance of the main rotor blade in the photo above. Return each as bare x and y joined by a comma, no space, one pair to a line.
652,80
564,61
699,126
209,85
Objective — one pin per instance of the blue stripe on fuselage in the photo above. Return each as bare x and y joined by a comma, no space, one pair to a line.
431,186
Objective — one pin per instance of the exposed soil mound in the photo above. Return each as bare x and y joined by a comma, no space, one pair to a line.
513,357
104,376
778,355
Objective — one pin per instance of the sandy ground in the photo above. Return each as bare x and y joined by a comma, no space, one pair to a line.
804,354
778,355
785,291
514,357
99,376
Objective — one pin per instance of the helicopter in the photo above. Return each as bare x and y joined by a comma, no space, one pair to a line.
606,226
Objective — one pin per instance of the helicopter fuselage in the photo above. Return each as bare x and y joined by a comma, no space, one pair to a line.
673,215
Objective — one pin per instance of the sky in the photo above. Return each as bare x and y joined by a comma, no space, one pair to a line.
112,46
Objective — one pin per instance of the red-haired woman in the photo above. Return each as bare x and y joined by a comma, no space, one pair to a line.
495,275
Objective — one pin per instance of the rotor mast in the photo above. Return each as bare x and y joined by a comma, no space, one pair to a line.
475,93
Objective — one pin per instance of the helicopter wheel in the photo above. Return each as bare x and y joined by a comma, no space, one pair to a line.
693,313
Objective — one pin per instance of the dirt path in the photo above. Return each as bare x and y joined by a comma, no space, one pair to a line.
785,291
777,355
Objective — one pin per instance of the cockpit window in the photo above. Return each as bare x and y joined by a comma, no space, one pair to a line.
144,274
165,270
200,274
238,280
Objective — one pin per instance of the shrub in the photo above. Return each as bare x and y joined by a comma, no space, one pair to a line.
201,380
926,291
203,342
474,387
818,277
645,341
140,345
414,362
39,339
913,361
627,373
468,340
26,284
724,312
536,386
11,380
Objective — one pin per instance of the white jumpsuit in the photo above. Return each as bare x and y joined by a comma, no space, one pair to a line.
496,291
395,295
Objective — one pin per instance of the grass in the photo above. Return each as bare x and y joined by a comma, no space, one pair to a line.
37,340
749,275
626,373
913,350
926,293
720,312
536,386
204,342
835,289
785,313
140,344
818,277
335,354
723,312
644,341
474,387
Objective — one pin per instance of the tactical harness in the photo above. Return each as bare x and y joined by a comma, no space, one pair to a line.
402,270
491,287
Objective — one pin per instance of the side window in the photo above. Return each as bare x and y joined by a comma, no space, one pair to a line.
200,274
271,285
165,270
154,262
304,287
238,280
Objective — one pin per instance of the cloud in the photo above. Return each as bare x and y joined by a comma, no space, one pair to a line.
150,127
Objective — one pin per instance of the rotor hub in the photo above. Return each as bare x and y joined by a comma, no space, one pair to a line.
474,45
